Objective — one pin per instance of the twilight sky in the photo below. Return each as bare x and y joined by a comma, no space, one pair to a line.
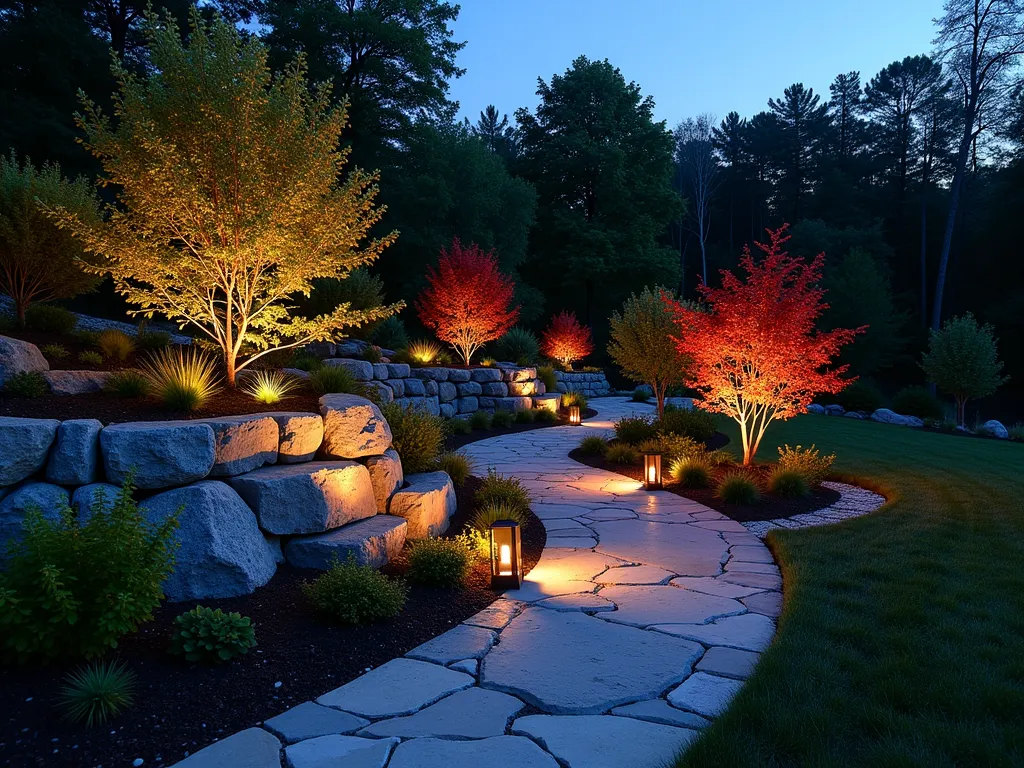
693,56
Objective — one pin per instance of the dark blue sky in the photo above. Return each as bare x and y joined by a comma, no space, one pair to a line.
692,56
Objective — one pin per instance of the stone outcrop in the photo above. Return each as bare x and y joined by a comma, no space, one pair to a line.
162,454
373,541
995,429
427,502
243,443
75,456
588,383
353,427
361,370
386,476
76,382
299,435
18,356
885,416
24,445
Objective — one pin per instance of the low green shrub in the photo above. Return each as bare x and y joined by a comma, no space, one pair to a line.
26,384
497,488
56,352
150,341
115,344
127,383
737,487
459,426
528,416
503,419
305,361
720,457
622,453
593,445
440,562
488,514
574,398
183,379
90,357
691,472
72,588
47,318
858,396
354,594
918,401
391,334
694,423
416,435
546,373
480,420
788,483
333,379
640,395
634,430
673,447
211,636
97,692
808,462
457,464
519,346
546,416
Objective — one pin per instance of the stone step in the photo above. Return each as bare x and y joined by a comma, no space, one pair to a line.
373,541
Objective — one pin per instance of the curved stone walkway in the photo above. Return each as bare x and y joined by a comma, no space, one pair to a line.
636,628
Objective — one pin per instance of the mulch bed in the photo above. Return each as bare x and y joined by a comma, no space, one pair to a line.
75,345
769,507
180,708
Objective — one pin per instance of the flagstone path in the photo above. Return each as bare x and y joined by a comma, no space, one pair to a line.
636,628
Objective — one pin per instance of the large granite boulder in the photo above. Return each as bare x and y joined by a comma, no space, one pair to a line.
24,445
243,443
468,404
222,552
18,356
397,386
415,388
524,388
995,428
815,408
434,374
548,402
307,498
835,410
162,454
470,388
428,405
398,370
485,374
386,476
76,382
446,392
885,416
459,375
48,499
299,435
86,496
493,388
427,502
76,453
447,410
511,403
380,371
372,542
361,370
353,427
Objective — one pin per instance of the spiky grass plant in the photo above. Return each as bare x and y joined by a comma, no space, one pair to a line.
269,387
55,352
498,488
622,453
503,419
691,472
788,483
331,379
424,352
457,464
738,487
182,380
593,445
480,420
527,416
490,513
89,357
97,692
127,383
115,344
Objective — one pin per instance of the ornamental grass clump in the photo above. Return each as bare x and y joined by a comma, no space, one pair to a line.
459,426
527,416
634,430
269,387
424,352
211,636
622,453
47,318
417,436
593,445
55,352
441,562
519,346
691,472
480,420
75,584
333,379
574,398
457,464
183,380
352,594
97,692
115,344
808,462
89,357
737,487
127,384
497,488
490,513
546,373
693,423
788,483
546,416
503,419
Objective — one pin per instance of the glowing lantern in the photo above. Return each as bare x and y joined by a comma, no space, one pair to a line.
652,471
506,555
574,416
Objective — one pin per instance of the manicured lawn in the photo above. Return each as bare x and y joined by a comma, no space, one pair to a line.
902,637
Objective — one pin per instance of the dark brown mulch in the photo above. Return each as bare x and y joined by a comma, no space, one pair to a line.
75,346
768,508
180,708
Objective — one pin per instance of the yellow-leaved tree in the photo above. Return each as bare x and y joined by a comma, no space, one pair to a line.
230,194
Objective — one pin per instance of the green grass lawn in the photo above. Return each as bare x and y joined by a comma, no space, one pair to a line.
902,636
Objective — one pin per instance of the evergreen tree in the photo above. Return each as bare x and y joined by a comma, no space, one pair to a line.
844,110
803,122
496,134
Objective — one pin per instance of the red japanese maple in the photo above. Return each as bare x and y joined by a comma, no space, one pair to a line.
467,300
756,353
566,340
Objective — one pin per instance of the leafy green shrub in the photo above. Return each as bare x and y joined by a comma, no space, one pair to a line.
673,447
721,456
593,445
212,636
184,379
97,692
115,344
574,398
391,334
546,373
547,416
1016,432
359,288
47,318
691,472
440,562
528,416
355,594
54,352
480,420
788,483
962,360
497,489
332,379
127,384
634,429
488,514
640,395
149,341
694,423
503,419
416,435
918,401
519,346
622,453
73,588
89,357
458,465
305,361
26,384
737,487
459,426
858,396
807,462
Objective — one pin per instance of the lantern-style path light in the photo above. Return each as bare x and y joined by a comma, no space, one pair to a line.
574,416
652,471
506,555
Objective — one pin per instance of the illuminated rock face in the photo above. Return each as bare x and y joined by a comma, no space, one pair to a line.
353,427
427,502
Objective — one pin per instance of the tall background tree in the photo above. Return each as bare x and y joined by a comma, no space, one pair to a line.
700,174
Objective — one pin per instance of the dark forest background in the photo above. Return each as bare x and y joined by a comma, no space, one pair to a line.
586,197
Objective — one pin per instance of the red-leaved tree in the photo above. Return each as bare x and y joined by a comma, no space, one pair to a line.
757,356
467,301
566,340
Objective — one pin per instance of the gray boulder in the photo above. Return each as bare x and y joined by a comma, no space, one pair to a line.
468,404
430,387
815,408
485,374
361,370
885,416
471,388
447,410
297,373
76,382
162,454
429,405
307,498
853,415
493,388
427,503
24,444
517,374
446,392
299,435
459,375
996,429
397,386
18,356
222,552
433,374
380,371
513,404
415,388
243,443
835,410
386,476
547,402
76,453
398,370
84,497
48,499
353,427
350,347
524,388
372,542
321,348
384,393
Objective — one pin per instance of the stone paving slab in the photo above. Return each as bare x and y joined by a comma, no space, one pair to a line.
309,720
660,711
336,750
399,687
495,752
728,662
749,632
462,642
647,605
251,748
705,694
474,713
